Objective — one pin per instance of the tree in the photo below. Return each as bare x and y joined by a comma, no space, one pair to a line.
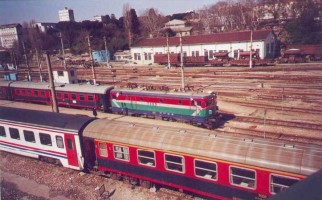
131,23
306,29
152,22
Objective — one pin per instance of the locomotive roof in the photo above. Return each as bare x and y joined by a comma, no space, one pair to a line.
95,89
301,159
142,92
69,122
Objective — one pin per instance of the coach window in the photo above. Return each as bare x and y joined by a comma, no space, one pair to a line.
146,157
36,93
73,96
81,97
280,183
2,131
14,133
23,92
45,139
70,144
113,96
65,96
102,148
17,92
205,169
42,93
60,142
174,163
243,177
29,136
90,98
121,153
58,95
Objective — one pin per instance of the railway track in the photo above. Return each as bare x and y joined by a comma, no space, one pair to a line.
301,125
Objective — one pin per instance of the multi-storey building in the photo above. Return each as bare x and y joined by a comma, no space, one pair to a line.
44,26
9,34
66,15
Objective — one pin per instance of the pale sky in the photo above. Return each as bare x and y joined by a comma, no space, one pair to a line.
18,11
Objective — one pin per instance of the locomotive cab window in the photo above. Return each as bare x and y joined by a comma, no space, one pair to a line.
60,142
205,169
243,177
45,139
29,136
2,132
121,153
174,163
146,158
14,133
102,149
280,183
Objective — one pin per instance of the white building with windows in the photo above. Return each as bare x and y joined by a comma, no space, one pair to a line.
263,41
9,34
65,76
66,15
44,26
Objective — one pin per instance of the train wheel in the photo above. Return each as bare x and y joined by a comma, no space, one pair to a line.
146,184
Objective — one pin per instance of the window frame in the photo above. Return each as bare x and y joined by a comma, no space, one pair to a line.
41,138
231,175
121,152
3,132
146,164
60,139
32,134
204,169
283,186
173,170
11,133
100,149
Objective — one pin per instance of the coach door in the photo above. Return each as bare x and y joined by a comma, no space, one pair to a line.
71,150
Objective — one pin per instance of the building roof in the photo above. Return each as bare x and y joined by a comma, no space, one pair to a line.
205,39
9,25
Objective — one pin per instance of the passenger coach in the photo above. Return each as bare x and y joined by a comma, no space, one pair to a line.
52,137
216,166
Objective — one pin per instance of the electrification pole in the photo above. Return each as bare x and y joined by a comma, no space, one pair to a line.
106,51
26,60
52,86
92,60
181,62
63,50
251,43
168,52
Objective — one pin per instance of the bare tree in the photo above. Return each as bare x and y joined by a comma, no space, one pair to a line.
152,22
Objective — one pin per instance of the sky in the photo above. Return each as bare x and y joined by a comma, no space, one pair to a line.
19,11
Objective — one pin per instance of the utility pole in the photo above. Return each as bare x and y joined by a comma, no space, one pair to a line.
92,60
106,51
181,62
63,50
168,52
26,60
39,64
251,43
52,86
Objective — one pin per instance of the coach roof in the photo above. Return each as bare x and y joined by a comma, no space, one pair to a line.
274,155
53,120
94,89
